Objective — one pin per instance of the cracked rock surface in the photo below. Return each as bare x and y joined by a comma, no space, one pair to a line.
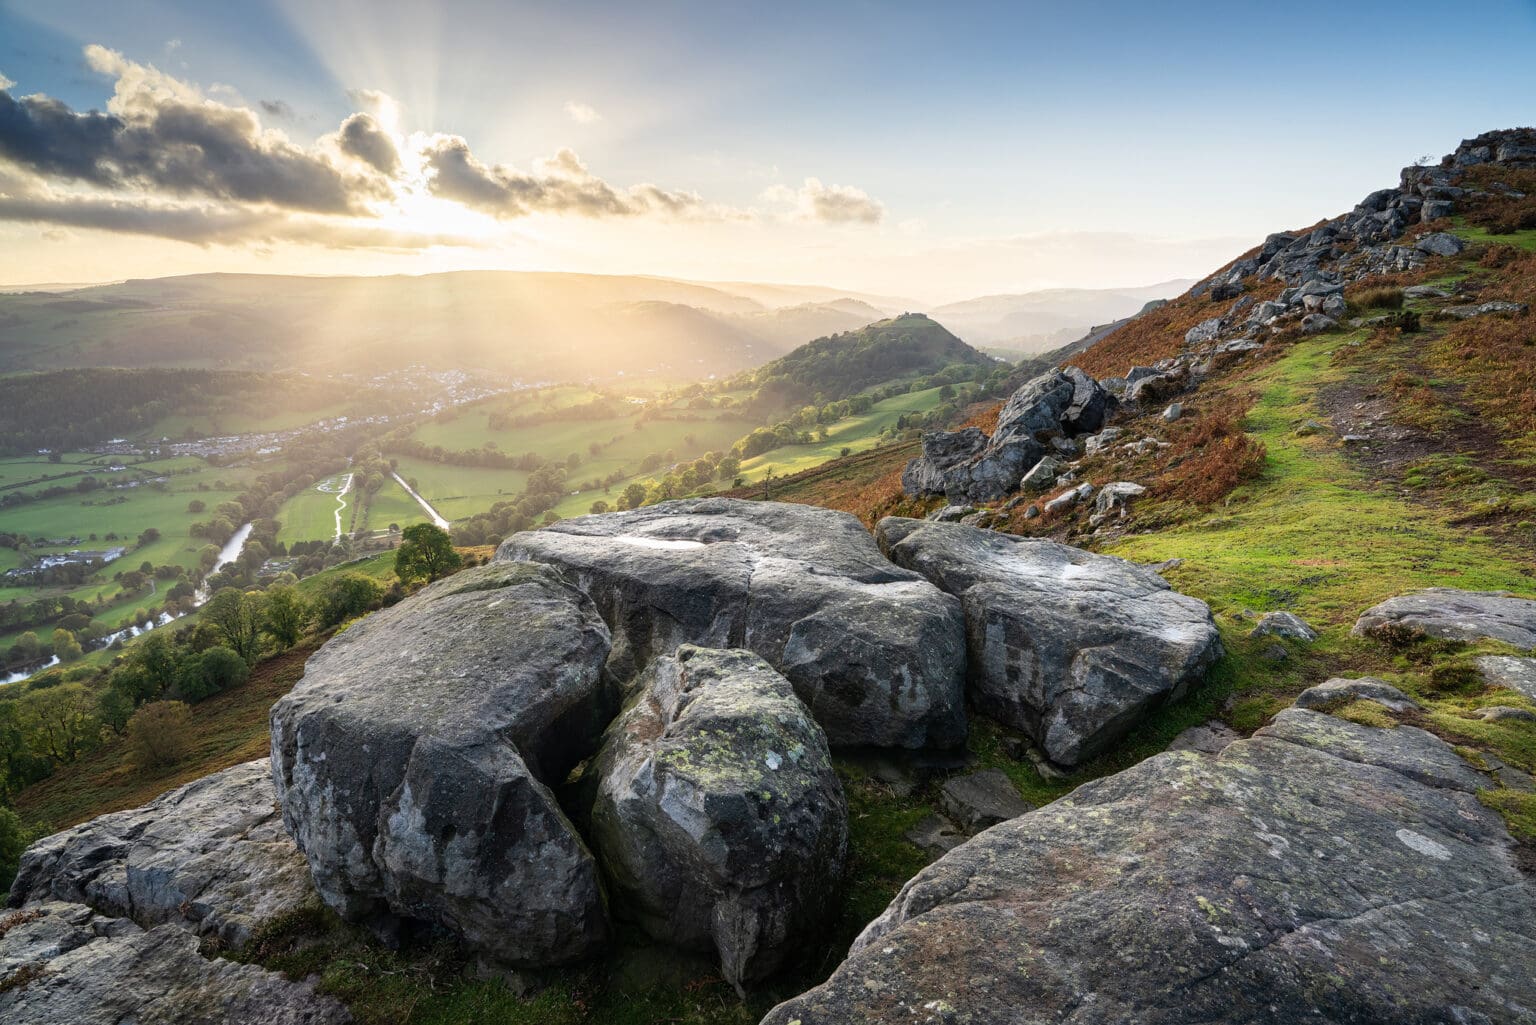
1309,873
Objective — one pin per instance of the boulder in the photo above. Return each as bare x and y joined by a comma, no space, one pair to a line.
1070,647
1173,412
875,651
1097,443
980,800
1484,309
1207,738
1317,323
1205,331
1041,475
1439,243
1310,873
1284,624
1067,499
1452,614
1117,495
1339,691
1424,292
935,835
1066,400
718,816
211,856
62,963
942,450
1510,672
1158,388
413,762
1505,713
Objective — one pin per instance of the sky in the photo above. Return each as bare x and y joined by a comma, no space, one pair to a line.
922,150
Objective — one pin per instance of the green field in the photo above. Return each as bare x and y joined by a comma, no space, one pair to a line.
390,504
855,433
311,514
460,491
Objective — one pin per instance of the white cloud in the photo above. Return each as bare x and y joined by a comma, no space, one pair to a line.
6,83
828,204
581,113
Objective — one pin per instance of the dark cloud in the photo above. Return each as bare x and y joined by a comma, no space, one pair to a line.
277,108
562,185
157,136
361,137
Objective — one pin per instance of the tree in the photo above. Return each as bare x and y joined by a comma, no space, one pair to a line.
160,734
197,506
345,597
237,616
67,646
425,553
13,840
61,721
286,613
599,506
633,497
210,672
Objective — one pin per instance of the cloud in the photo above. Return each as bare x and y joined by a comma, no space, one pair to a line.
362,137
6,83
829,204
276,108
159,135
561,184
581,113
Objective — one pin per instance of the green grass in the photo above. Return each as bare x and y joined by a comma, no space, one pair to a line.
390,504
1469,233
311,514
857,434
460,491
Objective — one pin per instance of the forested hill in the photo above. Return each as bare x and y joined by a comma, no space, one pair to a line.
841,365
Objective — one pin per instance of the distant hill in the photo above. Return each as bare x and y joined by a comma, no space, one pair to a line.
840,365
534,325
1027,323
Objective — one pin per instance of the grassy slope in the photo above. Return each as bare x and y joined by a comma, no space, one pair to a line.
311,514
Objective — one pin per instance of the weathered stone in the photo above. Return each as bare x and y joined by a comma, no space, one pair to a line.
1208,738
1117,495
1284,624
1453,614
413,762
718,816
1317,323
1070,647
1067,499
1424,292
1205,331
1510,672
211,856
1505,713
1149,391
942,450
1439,243
1041,475
1097,443
935,835
1484,309
1319,871
1173,412
874,651
979,800
1339,691
952,513
63,964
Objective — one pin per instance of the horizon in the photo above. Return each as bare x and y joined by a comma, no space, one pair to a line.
706,145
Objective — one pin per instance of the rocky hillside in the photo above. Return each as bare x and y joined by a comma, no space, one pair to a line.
1194,682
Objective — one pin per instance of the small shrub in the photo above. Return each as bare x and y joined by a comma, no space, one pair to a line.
160,734
1456,676
1379,298
1213,456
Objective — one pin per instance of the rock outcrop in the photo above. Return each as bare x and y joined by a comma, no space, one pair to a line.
1516,674
413,762
876,652
1069,646
63,964
1452,614
212,856
718,816
1339,691
968,466
1311,873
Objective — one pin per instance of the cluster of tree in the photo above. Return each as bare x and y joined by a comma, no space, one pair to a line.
400,443
70,409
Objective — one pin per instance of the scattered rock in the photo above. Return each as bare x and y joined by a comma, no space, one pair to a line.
1317,323
1424,292
1099,442
211,856
1439,243
1067,646
1311,427
1505,713
1208,738
1032,512
982,799
1173,412
1205,331
1284,624
64,964
1338,691
875,651
935,835
942,451
1259,885
1483,309
1041,476
1117,495
952,513
1510,672
1452,614
1067,499
718,817
413,762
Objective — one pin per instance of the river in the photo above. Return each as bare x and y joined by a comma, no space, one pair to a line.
228,554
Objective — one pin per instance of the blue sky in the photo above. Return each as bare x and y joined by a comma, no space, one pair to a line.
1184,130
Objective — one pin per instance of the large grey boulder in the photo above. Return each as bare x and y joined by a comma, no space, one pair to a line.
1319,871
1060,403
413,762
1439,243
718,816
875,651
1069,646
211,856
1484,309
63,964
1452,614
1340,691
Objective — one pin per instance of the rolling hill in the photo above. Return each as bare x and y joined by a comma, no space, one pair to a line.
1029,323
